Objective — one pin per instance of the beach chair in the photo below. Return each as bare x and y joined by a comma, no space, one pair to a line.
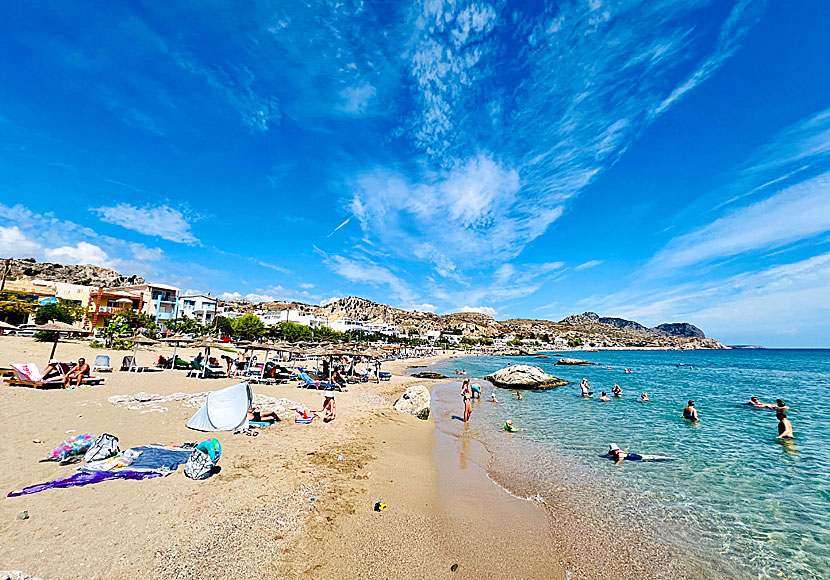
102,364
196,372
28,375
310,383
384,376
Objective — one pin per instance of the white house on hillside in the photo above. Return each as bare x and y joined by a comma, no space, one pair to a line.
198,307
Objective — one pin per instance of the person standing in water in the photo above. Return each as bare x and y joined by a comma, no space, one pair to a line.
644,396
690,412
604,397
519,395
467,395
785,426
616,390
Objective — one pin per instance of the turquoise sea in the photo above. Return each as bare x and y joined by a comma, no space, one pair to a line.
757,506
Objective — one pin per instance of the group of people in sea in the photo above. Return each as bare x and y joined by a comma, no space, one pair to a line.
470,390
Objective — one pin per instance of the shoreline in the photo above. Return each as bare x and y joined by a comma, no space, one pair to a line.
256,518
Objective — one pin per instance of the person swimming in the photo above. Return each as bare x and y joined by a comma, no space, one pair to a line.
604,397
756,402
518,395
690,413
493,397
644,396
618,455
508,426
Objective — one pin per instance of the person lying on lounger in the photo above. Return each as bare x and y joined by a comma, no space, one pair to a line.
77,373
258,415
53,370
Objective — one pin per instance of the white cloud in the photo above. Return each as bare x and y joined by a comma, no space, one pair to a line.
82,253
274,267
162,221
306,285
480,309
425,307
366,272
328,301
588,264
732,33
14,243
796,213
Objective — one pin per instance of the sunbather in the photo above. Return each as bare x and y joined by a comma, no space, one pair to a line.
53,370
258,415
78,373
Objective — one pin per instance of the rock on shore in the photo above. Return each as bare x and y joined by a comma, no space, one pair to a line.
415,401
429,375
524,377
573,361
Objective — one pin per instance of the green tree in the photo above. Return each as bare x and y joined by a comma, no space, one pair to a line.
185,325
293,332
248,327
15,308
66,312
224,325
116,332
574,342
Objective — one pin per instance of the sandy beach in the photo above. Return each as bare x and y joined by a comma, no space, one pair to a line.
256,518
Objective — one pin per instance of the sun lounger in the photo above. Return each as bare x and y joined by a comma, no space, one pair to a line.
197,372
28,375
310,383
102,364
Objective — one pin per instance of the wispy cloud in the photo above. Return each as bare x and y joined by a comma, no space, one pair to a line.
343,223
367,272
162,221
796,213
588,264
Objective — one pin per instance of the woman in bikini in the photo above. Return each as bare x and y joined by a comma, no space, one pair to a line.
467,395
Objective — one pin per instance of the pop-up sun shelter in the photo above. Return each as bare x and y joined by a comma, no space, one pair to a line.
224,410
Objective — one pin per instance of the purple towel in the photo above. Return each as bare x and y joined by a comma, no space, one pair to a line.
82,478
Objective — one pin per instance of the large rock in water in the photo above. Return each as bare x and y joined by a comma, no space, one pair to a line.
524,377
573,362
415,401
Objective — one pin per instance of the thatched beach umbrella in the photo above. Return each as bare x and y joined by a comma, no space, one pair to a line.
57,328
136,340
207,342
177,340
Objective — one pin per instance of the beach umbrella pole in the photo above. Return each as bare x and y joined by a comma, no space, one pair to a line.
54,346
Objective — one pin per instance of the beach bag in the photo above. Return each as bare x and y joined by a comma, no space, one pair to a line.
199,465
104,447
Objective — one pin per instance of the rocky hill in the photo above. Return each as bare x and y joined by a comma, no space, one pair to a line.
678,329
84,274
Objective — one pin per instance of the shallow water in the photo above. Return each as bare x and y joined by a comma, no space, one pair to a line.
733,493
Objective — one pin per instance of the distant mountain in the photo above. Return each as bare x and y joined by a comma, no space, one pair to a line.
683,329
679,329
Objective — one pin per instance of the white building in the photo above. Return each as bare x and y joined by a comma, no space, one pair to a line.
199,307
273,317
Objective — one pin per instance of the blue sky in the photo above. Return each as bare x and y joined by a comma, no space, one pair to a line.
660,161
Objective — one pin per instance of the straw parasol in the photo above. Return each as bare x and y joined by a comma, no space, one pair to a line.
136,340
207,342
57,328
176,341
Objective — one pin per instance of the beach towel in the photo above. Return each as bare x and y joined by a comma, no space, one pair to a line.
259,424
82,478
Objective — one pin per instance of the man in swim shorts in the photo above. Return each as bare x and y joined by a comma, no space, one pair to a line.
785,426
690,413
